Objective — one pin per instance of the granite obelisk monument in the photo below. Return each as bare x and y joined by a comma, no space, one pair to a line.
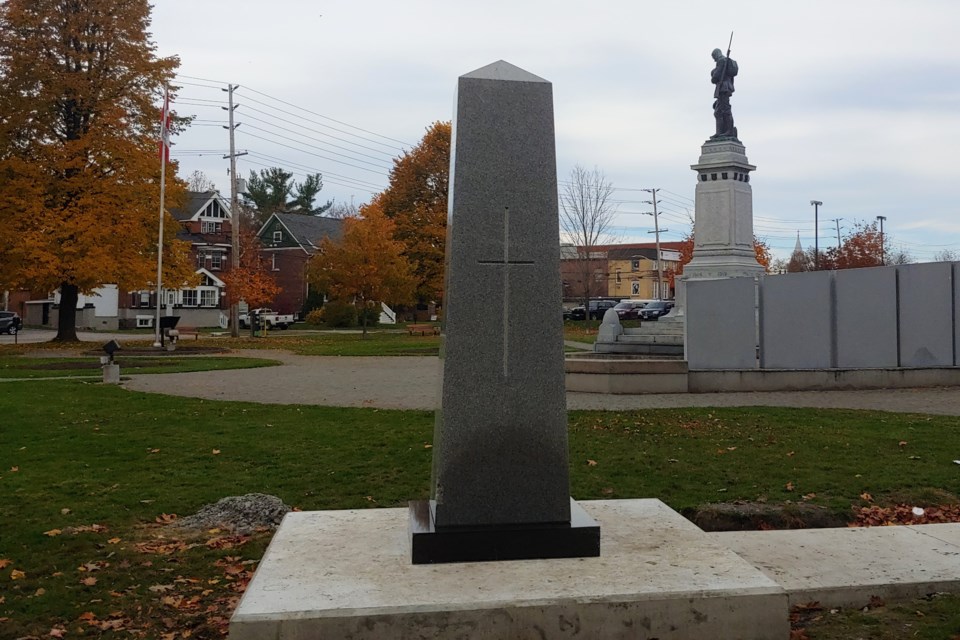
500,486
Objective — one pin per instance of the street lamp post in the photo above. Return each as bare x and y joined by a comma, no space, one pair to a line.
816,232
882,257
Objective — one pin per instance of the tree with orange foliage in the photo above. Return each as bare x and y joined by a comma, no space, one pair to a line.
367,265
416,201
79,165
861,247
250,278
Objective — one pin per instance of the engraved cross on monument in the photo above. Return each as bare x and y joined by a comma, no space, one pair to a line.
500,486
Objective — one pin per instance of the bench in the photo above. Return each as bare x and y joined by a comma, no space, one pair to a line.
188,331
423,329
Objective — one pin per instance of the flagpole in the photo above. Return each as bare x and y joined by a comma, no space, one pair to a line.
163,184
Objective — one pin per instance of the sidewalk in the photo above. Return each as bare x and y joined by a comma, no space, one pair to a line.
413,383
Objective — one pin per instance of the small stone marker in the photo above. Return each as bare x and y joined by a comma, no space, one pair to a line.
500,486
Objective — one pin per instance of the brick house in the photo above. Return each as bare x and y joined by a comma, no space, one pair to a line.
205,223
289,240
618,271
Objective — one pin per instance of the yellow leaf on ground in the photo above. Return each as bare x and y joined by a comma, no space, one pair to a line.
113,540
4,563
591,463
89,581
216,452
16,574
789,486
52,532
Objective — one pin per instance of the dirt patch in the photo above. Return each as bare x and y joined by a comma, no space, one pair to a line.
756,516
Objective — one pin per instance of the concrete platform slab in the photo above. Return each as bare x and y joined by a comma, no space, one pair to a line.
347,574
845,567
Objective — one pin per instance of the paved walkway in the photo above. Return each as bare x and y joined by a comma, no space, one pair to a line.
412,383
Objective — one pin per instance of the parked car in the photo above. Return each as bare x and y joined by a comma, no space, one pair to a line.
629,309
655,309
597,309
10,322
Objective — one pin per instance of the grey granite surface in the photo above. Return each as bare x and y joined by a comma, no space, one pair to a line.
500,446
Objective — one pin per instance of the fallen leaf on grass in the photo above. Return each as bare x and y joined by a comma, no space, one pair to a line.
4,563
16,574
809,496
39,592
866,497
113,540
57,632
902,443
90,581
165,518
789,486
52,532
216,452
64,511
160,588
591,463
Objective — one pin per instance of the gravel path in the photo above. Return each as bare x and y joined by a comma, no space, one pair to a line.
411,383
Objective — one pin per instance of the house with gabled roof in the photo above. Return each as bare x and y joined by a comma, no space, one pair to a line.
289,240
205,224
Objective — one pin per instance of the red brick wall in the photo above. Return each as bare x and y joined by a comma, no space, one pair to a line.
290,274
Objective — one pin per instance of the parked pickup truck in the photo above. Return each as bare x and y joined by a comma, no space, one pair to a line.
275,320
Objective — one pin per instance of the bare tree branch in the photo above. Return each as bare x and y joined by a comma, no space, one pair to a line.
587,211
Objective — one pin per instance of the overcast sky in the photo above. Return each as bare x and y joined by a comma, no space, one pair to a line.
854,103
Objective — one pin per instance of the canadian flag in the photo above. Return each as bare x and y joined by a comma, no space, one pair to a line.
165,126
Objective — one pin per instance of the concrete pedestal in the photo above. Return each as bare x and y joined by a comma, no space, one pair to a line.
347,574
111,374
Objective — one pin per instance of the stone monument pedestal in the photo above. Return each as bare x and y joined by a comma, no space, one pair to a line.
723,230
347,574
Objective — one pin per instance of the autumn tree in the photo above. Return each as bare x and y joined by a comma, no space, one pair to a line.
79,166
587,211
250,278
863,246
416,202
366,265
273,190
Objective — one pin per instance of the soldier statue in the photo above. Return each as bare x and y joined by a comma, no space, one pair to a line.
722,76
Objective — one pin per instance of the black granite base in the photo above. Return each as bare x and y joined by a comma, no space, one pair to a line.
578,539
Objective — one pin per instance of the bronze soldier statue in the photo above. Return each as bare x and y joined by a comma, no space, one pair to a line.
722,76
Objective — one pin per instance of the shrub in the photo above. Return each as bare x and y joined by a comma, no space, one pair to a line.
315,317
337,313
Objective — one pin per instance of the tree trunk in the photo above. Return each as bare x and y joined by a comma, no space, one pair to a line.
67,320
363,319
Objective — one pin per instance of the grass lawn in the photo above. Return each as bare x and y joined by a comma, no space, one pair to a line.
27,367
86,471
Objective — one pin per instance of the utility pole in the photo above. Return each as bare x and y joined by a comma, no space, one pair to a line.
234,208
837,220
816,233
882,257
657,231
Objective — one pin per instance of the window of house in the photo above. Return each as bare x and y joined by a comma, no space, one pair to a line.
144,298
216,260
189,297
208,297
635,265
210,226
214,210
278,236
273,262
